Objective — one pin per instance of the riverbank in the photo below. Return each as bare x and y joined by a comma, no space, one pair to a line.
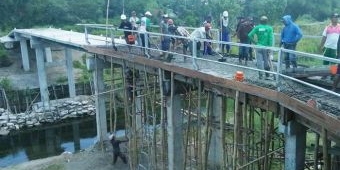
93,158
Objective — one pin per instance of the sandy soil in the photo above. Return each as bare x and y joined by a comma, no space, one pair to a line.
93,158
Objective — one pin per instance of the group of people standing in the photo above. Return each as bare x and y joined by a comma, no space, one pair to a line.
247,33
142,25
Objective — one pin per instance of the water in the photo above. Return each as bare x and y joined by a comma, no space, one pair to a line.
47,141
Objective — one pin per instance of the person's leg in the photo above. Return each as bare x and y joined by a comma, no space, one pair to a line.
292,57
286,57
336,82
209,49
227,40
266,62
123,157
246,55
336,78
259,61
115,156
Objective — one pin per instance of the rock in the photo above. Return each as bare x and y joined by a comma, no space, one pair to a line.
4,132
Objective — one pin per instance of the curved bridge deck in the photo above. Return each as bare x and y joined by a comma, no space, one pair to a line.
284,96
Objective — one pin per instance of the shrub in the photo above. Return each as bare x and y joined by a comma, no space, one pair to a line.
4,60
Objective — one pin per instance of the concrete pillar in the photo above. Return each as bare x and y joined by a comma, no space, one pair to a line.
48,54
295,145
175,132
215,156
70,77
50,146
98,78
76,136
39,52
24,54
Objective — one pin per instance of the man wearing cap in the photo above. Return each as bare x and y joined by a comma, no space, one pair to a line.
264,34
133,20
126,25
330,37
290,36
200,33
145,24
165,40
225,32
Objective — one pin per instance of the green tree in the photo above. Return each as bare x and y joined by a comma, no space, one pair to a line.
320,10
273,9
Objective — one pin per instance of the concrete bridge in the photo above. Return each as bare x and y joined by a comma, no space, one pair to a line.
191,112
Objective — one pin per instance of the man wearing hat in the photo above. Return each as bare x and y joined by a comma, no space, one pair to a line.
225,32
145,24
264,34
290,36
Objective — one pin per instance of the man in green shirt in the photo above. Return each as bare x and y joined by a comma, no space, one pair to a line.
264,37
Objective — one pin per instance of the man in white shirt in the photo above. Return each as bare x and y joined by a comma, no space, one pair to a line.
200,33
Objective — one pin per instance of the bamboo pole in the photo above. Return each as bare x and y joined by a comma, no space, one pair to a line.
187,129
160,76
325,144
316,151
199,125
206,149
235,130
111,97
222,122
134,120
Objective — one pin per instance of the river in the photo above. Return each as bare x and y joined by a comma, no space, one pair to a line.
46,141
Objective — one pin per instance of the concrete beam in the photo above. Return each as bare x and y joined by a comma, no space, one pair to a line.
70,77
39,51
295,145
48,54
98,78
24,51
215,155
175,132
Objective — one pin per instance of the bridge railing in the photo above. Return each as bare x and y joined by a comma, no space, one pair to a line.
202,62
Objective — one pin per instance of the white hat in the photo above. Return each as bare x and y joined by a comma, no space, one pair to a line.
148,13
225,13
123,17
166,16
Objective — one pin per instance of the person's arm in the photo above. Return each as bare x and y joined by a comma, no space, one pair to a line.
323,40
338,47
281,39
251,35
270,38
298,34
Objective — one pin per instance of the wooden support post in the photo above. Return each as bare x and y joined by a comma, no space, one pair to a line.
236,130
325,145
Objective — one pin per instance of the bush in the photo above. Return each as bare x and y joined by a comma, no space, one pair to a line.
6,84
4,60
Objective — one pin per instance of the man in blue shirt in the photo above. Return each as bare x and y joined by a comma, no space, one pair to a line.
290,36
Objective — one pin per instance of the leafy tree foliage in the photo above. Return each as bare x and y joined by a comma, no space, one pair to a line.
29,13
320,10
273,9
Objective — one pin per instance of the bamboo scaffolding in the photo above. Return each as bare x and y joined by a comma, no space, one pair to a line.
163,136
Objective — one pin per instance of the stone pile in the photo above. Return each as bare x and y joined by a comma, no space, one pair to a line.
56,112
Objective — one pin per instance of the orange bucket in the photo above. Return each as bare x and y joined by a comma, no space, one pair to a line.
333,69
239,76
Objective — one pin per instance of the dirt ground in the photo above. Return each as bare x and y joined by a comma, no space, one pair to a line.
93,158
